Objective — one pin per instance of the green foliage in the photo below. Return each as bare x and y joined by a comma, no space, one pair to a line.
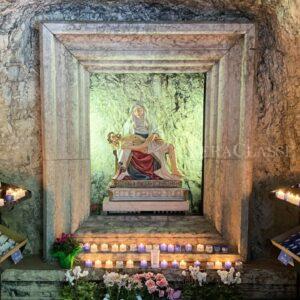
83,290
174,100
192,291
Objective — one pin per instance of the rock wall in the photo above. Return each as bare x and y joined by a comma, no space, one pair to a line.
277,104
175,102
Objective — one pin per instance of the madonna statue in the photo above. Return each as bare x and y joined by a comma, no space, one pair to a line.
143,151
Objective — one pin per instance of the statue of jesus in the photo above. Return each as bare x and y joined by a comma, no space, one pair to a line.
143,151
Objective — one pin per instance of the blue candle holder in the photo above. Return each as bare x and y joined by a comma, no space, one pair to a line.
163,247
177,248
9,198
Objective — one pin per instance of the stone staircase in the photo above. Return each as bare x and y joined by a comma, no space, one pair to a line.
154,230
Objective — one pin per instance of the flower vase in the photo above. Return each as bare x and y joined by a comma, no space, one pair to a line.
66,261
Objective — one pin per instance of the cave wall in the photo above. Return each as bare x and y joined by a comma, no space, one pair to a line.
175,102
277,106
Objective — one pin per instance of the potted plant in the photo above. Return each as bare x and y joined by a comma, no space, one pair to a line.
65,249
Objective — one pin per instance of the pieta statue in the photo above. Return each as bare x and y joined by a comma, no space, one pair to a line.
143,152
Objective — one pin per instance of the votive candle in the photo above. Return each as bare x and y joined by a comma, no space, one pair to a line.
228,264
182,264
209,249
119,264
88,263
224,249
148,248
164,264
141,248
98,263
104,247
171,248
114,248
177,248
280,194
218,265
197,263
163,247
109,264
129,264
123,248
175,264
188,248
86,247
200,248
210,265
133,248
156,247
143,263
94,248
217,248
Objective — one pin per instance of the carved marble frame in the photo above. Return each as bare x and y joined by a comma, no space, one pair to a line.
224,51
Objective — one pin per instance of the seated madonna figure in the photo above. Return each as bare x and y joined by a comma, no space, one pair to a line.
143,151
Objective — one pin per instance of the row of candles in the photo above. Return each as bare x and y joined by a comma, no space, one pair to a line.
141,248
12,195
288,196
163,264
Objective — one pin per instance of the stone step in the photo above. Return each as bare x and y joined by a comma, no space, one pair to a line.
145,206
169,257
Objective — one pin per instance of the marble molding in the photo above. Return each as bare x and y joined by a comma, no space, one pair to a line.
69,51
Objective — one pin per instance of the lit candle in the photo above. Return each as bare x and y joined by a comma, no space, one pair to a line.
88,263
163,247
183,264
177,248
1,202
114,248
143,263
123,248
109,264
164,264
119,264
156,247
188,248
218,265
280,194
217,248
94,248
104,247
210,265
224,249
129,264
200,248
9,198
238,264
228,264
175,264
86,247
148,248
197,263
133,248
141,248
209,249
171,248
98,263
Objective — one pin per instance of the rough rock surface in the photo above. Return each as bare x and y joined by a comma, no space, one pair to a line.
175,102
277,105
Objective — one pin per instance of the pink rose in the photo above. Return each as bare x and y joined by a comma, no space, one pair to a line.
172,295
161,293
150,284
149,275
162,283
159,276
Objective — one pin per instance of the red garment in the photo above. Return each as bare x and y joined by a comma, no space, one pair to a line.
143,162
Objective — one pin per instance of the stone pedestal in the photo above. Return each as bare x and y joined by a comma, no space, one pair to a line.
146,195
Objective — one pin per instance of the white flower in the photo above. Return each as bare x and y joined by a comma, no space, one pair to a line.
201,277
183,273
69,278
228,277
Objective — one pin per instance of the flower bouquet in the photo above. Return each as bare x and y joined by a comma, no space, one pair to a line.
65,249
